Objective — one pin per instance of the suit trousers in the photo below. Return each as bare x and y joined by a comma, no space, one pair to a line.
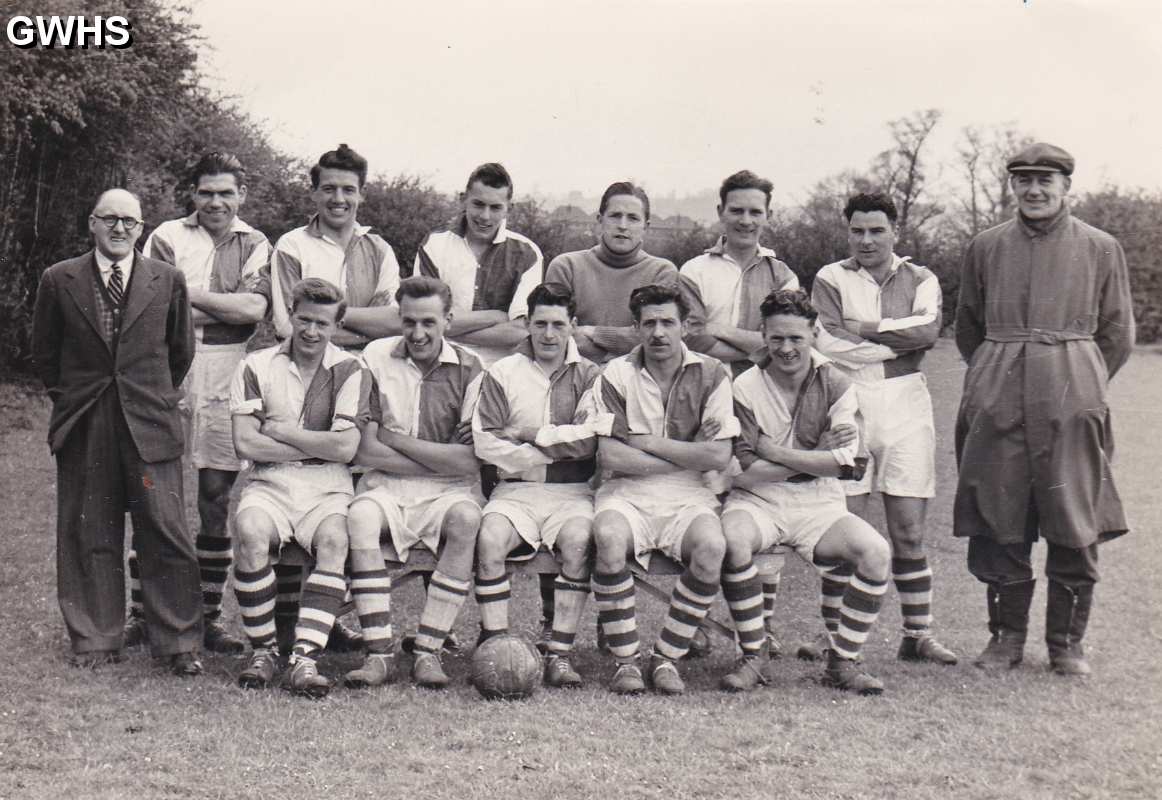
100,476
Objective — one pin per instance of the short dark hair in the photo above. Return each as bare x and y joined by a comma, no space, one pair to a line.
790,302
218,163
342,158
745,179
320,292
552,294
653,294
869,202
420,286
625,187
493,175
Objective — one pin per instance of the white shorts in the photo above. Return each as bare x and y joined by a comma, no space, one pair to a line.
415,507
658,521
802,514
298,497
538,511
899,435
205,406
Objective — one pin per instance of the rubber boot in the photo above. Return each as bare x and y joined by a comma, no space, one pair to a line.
1008,605
1066,617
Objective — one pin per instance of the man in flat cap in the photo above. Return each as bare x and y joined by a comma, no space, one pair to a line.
1044,321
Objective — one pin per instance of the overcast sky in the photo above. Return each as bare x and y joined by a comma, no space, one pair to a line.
678,94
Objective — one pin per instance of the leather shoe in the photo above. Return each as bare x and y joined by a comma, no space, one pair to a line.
185,665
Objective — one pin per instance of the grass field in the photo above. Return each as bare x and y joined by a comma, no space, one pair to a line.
131,730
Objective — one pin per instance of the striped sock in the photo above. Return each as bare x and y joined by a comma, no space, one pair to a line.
136,604
743,591
445,596
256,592
770,594
214,559
913,579
371,590
689,603
836,576
322,599
492,595
616,612
861,606
569,598
290,585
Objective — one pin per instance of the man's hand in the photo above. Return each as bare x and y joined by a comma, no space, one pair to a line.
853,326
837,437
768,449
515,433
197,295
463,433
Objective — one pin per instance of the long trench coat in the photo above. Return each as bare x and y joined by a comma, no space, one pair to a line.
1044,320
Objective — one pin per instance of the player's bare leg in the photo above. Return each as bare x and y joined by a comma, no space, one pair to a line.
571,589
853,541
254,586
742,587
614,593
913,578
371,590
450,585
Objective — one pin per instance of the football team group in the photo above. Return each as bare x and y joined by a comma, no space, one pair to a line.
606,408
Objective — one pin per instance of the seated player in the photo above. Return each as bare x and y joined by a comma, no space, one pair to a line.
422,485
294,410
535,422
673,421
799,437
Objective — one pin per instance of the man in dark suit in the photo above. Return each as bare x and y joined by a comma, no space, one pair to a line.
112,340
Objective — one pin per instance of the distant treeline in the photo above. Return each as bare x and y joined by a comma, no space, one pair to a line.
73,123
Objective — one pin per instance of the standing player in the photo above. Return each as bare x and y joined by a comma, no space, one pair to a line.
535,422
295,408
880,314
797,415
335,247
422,484
226,264
602,277
489,268
1045,320
725,285
673,421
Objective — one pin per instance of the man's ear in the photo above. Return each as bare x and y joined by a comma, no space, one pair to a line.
1068,183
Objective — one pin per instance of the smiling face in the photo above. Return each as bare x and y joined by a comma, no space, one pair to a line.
312,326
660,330
549,331
116,243
217,199
743,216
871,237
423,322
789,338
485,207
337,198
1040,195
622,226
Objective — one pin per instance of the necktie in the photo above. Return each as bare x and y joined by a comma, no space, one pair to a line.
116,285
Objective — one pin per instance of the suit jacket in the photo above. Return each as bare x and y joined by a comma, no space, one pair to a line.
153,353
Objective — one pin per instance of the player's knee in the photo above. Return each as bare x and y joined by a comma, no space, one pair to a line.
574,551
707,552
364,525
214,486
462,524
492,546
873,554
251,540
331,546
739,544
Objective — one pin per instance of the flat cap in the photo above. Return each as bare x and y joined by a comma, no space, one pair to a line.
1041,157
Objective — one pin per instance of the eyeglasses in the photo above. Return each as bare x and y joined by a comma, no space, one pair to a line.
110,222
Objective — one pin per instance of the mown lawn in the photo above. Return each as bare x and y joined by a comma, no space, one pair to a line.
131,730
